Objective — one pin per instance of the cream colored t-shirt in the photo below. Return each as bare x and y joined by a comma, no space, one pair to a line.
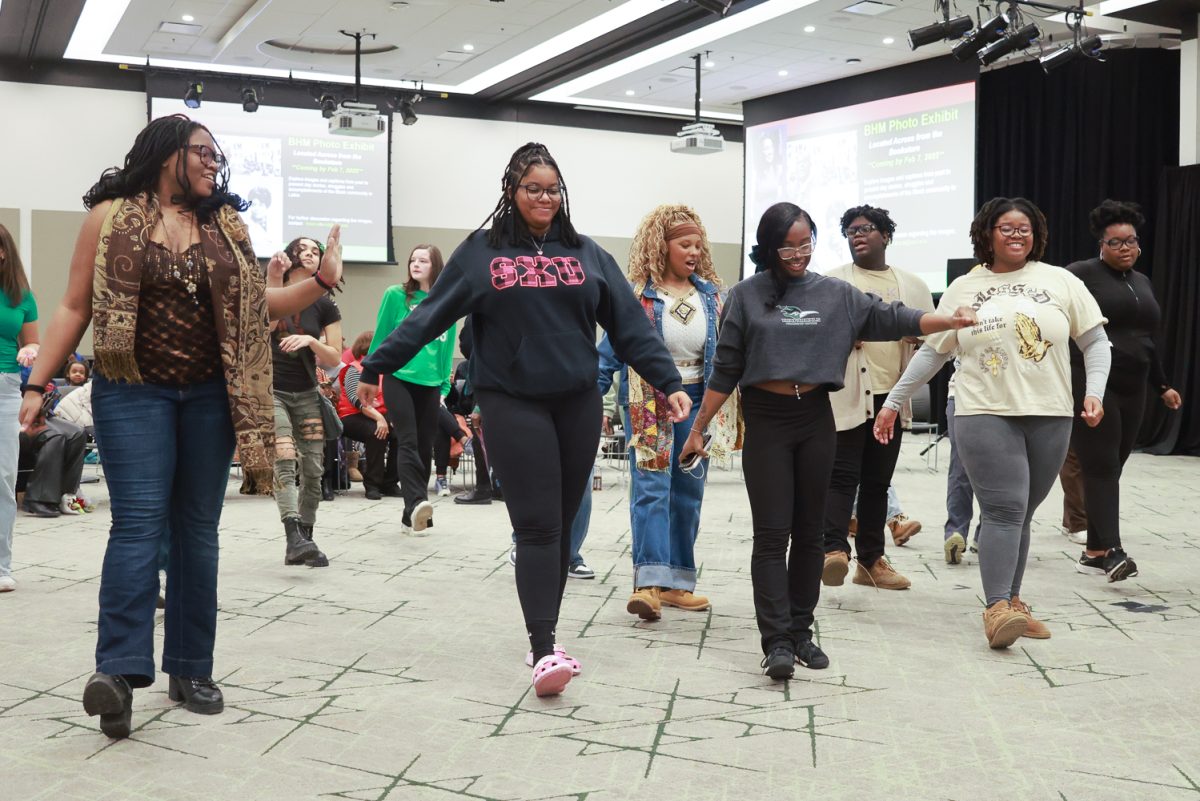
1016,360
883,358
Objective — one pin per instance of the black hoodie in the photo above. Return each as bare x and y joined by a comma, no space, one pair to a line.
534,319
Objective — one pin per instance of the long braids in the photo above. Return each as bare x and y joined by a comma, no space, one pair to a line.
507,226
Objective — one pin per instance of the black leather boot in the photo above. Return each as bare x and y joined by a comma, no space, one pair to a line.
198,693
299,548
327,493
111,698
319,559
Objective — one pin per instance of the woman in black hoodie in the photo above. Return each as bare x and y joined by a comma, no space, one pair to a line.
535,290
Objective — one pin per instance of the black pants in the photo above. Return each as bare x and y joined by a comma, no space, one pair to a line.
865,467
543,452
483,474
787,460
448,429
381,468
58,461
1102,452
412,411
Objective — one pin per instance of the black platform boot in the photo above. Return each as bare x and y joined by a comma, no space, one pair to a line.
299,548
319,559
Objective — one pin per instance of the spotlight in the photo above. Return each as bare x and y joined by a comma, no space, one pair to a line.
328,105
951,28
191,98
1089,47
249,99
1017,40
718,7
983,36
408,115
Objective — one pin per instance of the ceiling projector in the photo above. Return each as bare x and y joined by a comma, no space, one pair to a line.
698,139
356,119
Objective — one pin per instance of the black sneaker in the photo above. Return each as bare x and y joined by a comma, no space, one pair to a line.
1118,566
1090,565
475,496
580,570
811,656
780,664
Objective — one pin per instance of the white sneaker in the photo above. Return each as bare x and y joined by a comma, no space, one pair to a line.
69,505
7,583
442,487
421,515
1077,537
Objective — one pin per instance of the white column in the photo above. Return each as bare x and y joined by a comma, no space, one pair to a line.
1189,101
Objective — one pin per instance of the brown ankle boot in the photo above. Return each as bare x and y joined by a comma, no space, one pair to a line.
1002,624
683,599
645,603
880,575
1034,628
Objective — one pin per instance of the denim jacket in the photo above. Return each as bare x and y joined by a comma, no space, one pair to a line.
610,363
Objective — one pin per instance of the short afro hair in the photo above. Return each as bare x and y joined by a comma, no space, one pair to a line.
878,217
1115,212
994,209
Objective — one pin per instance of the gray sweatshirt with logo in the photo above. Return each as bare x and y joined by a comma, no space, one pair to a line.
805,336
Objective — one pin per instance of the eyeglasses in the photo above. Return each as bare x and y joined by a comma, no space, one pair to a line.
863,229
791,254
1013,230
536,191
208,156
1130,242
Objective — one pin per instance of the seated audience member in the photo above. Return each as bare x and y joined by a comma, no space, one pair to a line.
76,407
57,448
368,425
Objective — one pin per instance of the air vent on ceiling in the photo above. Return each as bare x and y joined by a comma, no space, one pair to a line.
455,55
182,28
869,8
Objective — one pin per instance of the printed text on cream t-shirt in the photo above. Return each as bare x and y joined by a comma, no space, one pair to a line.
1016,360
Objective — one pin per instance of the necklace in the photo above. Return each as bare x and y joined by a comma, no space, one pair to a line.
539,246
182,264
681,310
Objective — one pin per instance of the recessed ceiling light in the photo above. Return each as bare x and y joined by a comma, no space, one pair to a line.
783,73
708,65
468,47
888,40
188,18
809,28
630,93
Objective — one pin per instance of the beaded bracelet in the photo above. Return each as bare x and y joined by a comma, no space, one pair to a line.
321,282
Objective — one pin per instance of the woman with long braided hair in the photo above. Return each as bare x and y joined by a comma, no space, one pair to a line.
535,290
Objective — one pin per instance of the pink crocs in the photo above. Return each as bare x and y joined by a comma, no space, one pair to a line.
550,675
561,653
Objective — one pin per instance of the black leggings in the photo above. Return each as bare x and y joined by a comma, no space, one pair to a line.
862,465
379,473
787,460
542,451
412,411
1102,452
448,429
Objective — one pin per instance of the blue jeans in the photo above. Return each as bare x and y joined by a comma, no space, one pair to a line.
664,513
10,446
960,497
579,526
166,454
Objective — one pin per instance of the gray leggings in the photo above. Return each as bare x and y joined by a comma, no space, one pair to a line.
1012,463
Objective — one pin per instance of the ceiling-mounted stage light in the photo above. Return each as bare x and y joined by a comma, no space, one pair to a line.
249,99
1089,47
328,105
408,115
983,36
718,7
1019,39
951,28
191,98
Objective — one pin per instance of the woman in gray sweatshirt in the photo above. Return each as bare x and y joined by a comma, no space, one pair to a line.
786,334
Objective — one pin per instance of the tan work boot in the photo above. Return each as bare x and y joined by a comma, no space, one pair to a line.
645,604
683,599
903,529
837,565
1034,628
1002,625
880,575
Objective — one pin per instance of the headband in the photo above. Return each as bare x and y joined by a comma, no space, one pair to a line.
683,229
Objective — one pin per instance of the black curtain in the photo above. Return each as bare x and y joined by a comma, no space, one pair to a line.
1176,279
1087,131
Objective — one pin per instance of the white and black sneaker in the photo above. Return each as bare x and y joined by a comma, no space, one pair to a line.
580,570
809,654
780,664
1118,566
1090,565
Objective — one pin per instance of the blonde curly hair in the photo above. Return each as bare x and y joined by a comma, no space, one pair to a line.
648,253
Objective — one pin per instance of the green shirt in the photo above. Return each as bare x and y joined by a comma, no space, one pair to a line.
12,318
432,364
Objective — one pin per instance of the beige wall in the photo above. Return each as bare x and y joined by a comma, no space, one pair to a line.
54,235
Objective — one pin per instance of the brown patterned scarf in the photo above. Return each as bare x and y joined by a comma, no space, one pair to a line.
239,314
